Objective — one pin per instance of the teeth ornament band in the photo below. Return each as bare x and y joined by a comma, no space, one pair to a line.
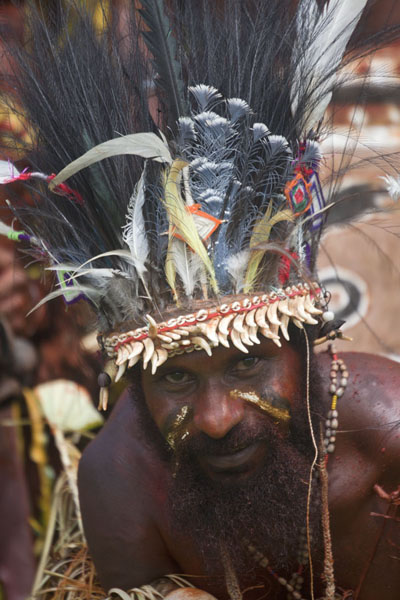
238,323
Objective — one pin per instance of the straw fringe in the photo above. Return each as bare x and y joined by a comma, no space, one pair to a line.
66,570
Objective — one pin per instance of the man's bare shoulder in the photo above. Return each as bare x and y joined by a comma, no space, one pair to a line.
121,438
122,492
371,400
372,393
369,419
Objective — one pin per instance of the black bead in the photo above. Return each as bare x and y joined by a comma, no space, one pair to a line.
104,380
331,326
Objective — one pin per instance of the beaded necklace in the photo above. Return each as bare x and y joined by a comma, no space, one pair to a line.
295,583
336,389
339,377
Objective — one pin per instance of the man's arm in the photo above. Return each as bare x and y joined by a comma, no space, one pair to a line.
122,493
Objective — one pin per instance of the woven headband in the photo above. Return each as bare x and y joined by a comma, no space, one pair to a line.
238,323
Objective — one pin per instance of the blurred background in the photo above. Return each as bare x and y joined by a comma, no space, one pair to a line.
358,261
358,264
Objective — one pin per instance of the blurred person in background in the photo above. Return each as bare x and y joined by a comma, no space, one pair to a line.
42,346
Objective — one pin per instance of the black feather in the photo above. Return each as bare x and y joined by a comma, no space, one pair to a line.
162,45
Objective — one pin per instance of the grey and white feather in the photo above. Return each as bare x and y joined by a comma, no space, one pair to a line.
134,232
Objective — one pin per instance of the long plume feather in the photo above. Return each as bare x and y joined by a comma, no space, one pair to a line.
329,32
162,45
146,145
89,291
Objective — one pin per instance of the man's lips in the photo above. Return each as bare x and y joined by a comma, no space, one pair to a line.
237,461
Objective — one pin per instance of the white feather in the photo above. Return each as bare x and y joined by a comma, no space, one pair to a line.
205,95
392,186
5,229
237,109
236,266
125,255
88,291
13,235
187,265
7,171
93,272
147,145
260,130
330,32
277,144
134,234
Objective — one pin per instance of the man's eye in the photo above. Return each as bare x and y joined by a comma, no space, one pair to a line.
177,377
247,363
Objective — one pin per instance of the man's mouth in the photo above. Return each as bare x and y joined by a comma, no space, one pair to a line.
237,461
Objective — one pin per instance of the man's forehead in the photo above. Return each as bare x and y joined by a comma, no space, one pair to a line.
222,356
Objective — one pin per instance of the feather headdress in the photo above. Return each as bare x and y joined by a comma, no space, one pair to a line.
187,170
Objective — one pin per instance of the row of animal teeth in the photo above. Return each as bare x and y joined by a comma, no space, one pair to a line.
240,329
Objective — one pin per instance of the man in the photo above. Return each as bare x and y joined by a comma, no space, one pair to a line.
200,265
249,472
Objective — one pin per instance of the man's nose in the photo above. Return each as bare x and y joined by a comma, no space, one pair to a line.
216,412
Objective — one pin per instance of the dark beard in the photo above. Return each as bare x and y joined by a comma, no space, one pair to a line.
268,509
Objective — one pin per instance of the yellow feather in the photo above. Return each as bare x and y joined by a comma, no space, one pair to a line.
182,222
170,271
260,235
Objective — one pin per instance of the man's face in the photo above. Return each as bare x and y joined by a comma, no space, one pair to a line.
241,447
194,398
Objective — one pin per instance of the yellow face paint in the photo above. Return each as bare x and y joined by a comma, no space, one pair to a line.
281,414
176,431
